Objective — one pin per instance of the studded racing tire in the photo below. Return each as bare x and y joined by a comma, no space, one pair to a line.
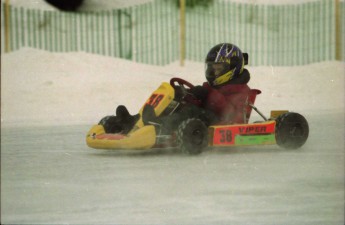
292,130
192,136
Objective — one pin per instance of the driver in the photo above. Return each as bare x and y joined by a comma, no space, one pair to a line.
223,95
226,89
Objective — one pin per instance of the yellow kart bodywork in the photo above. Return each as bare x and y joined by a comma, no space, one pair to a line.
141,136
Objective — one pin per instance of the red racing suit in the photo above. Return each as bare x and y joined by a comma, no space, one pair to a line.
227,102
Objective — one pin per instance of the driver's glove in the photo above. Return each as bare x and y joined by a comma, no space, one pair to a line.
199,92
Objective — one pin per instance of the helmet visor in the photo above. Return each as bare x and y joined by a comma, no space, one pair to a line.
214,70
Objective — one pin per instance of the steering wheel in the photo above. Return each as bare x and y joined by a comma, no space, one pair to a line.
185,87
182,84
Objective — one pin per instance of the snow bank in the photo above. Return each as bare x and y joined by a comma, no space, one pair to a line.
44,88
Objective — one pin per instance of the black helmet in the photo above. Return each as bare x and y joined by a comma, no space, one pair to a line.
223,62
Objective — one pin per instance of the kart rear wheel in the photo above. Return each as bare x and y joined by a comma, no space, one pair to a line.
192,136
292,130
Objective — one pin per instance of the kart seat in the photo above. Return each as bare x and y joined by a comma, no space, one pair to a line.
249,103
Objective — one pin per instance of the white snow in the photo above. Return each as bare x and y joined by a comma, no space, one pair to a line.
49,175
44,88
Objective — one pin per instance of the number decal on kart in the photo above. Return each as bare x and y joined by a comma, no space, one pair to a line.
225,136
154,100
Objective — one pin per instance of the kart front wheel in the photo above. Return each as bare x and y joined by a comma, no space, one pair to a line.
192,136
292,130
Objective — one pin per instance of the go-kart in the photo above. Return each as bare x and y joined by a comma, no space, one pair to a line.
286,129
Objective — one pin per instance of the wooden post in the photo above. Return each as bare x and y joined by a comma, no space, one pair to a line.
182,31
7,25
338,44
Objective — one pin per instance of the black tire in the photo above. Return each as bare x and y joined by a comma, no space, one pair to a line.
292,130
192,136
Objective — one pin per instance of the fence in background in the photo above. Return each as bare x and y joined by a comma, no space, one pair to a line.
283,35
144,33
271,34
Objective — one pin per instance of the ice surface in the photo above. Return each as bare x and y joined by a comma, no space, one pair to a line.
49,175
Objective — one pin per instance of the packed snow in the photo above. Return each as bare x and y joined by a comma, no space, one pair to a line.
43,88
49,175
